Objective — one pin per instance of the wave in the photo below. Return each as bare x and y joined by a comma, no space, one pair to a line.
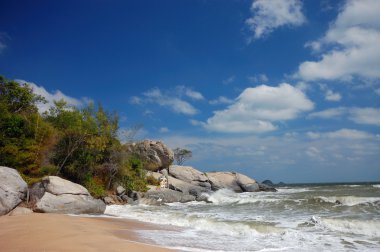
198,222
376,186
348,200
361,227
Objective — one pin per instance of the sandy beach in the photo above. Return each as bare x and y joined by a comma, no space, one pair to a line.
53,232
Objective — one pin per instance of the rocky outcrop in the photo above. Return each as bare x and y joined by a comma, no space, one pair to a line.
63,196
233,181
189,175
12,189
266,188
267,182
164,195
155,154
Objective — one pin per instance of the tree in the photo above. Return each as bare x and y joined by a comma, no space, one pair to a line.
181,155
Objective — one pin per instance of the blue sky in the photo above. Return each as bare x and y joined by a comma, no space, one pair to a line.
282,89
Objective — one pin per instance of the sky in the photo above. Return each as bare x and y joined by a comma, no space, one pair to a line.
286,90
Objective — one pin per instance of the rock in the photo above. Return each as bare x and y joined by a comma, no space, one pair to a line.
120,190
267,182
189,175
246,183
233,181
63,196
36,192
108,200
266,188
134,195
281,184
57,186
20,211
164,195
220,180
155,154
12,189
70,204
186,188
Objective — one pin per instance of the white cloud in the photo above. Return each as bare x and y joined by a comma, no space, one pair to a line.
54,96
329,113
269,15
365,116
163,130
352,43
221,100
332,96
229,80
377,91
341,134
257,108
370,116
169,99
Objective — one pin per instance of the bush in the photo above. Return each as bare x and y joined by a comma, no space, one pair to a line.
150,180
95,186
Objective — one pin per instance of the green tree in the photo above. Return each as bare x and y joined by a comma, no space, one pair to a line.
181,155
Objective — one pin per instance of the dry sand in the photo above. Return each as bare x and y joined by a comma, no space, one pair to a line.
54,232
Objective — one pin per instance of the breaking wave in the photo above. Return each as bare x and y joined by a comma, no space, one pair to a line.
349,200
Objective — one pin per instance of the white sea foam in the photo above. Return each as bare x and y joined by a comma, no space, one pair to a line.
349,200
376,186
362,227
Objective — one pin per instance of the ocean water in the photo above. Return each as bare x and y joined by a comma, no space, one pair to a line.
296,218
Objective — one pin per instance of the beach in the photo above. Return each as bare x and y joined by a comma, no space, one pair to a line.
55,232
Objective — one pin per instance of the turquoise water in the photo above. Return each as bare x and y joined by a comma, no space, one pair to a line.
296,218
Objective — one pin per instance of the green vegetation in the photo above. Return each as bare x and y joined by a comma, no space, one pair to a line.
181,155
78,144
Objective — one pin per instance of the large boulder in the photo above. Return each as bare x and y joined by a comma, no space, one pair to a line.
70,204
164,195
12,189
155,154
63,196
186,188
233,181
189,175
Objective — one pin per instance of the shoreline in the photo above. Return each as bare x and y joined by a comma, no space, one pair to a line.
57,232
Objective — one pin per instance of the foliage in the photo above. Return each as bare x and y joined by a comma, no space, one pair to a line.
150,180
181,155
78,144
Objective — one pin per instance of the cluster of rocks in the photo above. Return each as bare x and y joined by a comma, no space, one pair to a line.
51,195
186,183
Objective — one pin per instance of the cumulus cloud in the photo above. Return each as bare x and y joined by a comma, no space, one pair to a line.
53,96
341,134
171,99
257,108
269,15
350,47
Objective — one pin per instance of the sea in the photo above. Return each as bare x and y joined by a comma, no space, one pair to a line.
307,217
